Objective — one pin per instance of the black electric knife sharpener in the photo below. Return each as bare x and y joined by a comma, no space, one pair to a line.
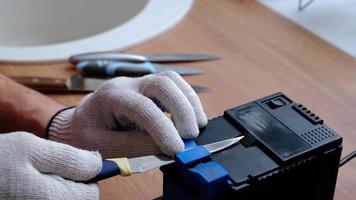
288,153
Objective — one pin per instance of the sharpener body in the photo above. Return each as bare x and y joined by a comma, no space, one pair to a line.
287,153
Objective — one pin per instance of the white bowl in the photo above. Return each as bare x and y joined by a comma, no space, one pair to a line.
53,30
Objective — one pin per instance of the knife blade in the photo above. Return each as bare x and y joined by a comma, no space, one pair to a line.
113,68
169,58
144,163
126,57
128,166
75,84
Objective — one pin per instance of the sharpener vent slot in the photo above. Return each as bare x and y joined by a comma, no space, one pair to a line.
310,116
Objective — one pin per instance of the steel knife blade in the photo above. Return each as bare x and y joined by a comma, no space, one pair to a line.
141,164
169,58
75,84
139,58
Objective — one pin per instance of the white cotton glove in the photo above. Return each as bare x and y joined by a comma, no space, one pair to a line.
35,168
120,118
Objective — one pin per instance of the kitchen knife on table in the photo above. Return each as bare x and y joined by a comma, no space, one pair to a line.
75,84
136,58
115,68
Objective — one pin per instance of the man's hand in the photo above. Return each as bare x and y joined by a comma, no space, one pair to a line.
34,168
24,109
124,117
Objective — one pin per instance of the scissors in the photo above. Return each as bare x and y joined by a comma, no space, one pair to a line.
123,64
129,166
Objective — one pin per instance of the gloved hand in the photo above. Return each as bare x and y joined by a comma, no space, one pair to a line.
123,117
34,168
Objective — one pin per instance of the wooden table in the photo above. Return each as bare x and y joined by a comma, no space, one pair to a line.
262,53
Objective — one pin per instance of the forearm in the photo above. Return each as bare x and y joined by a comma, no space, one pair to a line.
24,109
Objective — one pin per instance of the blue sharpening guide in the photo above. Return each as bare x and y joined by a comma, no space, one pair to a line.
195,166
287,153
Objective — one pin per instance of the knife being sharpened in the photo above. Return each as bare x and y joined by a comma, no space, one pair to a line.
76,84
135,58
129,166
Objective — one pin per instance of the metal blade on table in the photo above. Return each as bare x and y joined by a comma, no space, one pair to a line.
201,89
141,164
184,71
170,58
126,57
82,84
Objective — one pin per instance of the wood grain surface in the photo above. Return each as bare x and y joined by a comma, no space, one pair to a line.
262,53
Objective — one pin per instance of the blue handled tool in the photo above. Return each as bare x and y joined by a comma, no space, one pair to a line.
113,68
128,166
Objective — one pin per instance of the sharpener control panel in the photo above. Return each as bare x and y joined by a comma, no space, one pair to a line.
281,126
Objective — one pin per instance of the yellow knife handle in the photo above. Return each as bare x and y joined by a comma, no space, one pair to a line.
124,166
